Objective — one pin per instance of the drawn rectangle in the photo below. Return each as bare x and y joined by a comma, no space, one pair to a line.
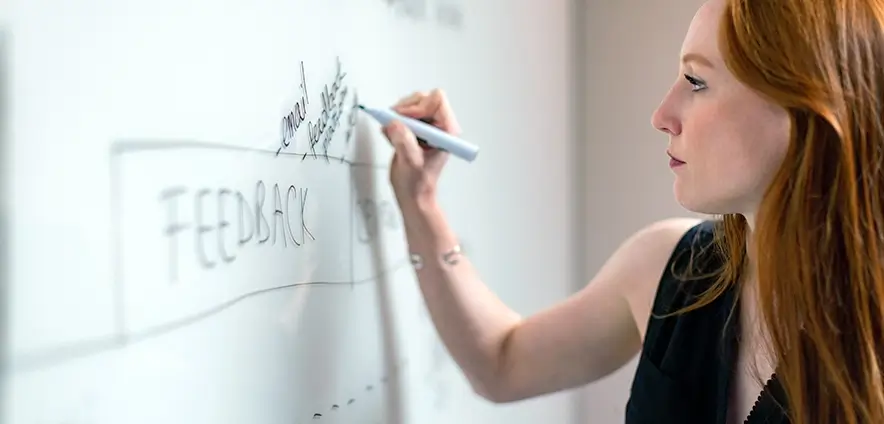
190,241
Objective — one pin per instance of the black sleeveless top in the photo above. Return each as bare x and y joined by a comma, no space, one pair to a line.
687,360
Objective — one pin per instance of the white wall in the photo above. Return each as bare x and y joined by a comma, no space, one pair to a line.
632,49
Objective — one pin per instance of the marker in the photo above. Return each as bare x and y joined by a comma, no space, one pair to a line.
429,134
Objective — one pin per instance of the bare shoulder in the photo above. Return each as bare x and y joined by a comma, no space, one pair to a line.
658,239
640,260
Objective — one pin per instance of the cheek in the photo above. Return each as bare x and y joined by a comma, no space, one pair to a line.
769,142
728,163
770,160
734,151
719,146
752,153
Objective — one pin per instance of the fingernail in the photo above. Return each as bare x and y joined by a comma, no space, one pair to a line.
399,129
391,130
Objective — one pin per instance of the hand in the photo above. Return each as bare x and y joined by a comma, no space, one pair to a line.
415,169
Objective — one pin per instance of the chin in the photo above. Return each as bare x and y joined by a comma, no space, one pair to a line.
696,202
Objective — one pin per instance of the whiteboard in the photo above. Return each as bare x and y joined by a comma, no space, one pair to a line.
199,226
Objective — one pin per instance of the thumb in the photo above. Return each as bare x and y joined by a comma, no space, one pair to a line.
405,143
435,159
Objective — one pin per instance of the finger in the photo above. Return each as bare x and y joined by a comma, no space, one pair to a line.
411,99
419,104
386,132
405,143
435,109
421,107
435,160
443,115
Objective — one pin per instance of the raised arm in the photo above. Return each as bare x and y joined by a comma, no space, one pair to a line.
504,356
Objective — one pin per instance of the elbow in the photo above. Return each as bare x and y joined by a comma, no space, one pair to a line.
494,390
489,392
498,396
496,384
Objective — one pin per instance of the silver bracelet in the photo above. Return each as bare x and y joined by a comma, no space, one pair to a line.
451,257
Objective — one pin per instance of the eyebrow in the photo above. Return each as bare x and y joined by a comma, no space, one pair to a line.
696,57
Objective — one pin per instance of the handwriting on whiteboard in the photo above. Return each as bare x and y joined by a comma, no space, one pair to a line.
190,238
320,130
446,13
284,223
377,215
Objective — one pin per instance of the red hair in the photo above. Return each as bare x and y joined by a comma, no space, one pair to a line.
819,235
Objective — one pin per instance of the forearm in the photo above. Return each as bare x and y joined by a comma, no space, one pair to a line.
472,322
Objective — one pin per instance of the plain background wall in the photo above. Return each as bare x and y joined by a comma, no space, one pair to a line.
631,58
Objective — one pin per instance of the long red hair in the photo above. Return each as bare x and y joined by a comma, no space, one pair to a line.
819,235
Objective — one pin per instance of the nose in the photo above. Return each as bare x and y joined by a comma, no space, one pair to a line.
664,117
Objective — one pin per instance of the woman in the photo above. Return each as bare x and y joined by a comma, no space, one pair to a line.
775,312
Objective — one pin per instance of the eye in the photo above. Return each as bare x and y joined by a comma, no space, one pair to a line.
696,84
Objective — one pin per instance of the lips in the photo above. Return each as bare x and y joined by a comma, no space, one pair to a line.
671,156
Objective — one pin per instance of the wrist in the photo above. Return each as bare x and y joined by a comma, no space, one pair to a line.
424,205
427,229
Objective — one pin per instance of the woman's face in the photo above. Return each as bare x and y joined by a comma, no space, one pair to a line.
727,140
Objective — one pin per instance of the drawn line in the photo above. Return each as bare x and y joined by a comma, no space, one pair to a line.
103,344
368,388
124,147
353,232
116,238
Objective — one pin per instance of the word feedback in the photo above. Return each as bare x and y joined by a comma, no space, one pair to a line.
213,236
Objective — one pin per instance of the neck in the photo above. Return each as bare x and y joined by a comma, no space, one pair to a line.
750,251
